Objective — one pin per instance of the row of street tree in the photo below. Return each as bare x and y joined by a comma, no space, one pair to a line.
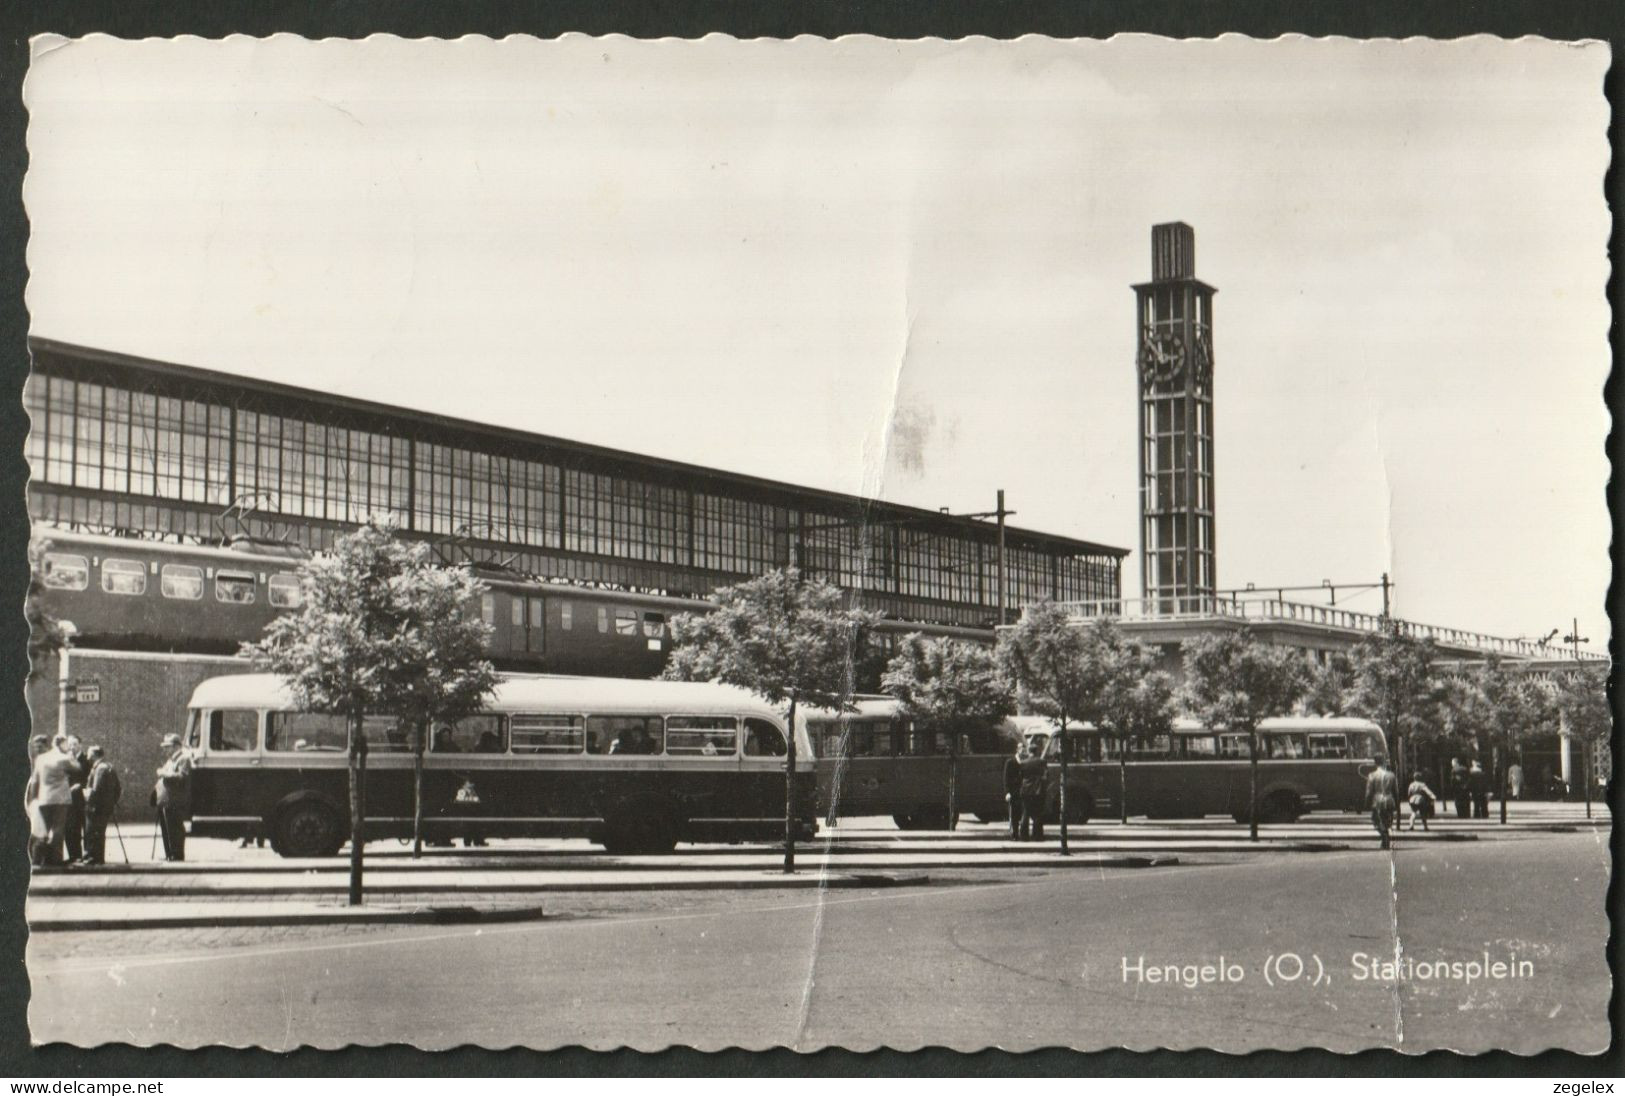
382,629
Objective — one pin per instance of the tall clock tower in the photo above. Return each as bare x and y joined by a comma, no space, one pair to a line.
1174,340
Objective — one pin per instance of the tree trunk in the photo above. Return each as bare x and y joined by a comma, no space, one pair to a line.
1122,779
953,781
790,793
1066,849
1501,779
1585,759
358,805
417,792
1252,793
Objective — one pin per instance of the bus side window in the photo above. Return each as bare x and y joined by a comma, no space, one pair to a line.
532,734
1328,746
1200,747
884,739
623,734
1157,748
1284,747
762,739
705,735
234,729
1234,745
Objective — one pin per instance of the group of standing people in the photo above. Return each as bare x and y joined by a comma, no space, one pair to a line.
1026,784
1471,788
72,794
70,799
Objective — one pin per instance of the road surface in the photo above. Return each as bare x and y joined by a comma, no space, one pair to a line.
1027,960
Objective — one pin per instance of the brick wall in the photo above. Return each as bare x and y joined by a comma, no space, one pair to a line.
142,699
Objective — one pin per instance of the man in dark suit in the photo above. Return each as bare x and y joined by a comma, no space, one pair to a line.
1012,789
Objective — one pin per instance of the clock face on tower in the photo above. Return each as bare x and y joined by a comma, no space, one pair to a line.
1162,358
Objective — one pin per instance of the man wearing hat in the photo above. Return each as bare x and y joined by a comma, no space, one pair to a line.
101,796
173,796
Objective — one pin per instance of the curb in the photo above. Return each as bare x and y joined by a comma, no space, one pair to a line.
154,916
804,878
336,915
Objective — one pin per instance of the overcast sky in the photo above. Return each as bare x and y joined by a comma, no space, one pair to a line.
899,268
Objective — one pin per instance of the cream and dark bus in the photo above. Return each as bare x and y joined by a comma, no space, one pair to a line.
635,765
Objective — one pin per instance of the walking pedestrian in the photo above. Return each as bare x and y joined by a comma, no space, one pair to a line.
1034,785
1459,788
1515,780
1012,788
1382,797
1421,799
172,795
53,794
102,792
1478,789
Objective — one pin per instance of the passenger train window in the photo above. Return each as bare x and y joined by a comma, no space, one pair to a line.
516,615
707,735
283,591
233,730
488,608
66,572
536,613
626,622
545,733
124,576
762,739
565,615
654,624
603,618
234,587
180,580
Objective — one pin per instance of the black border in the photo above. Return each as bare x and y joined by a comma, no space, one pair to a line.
1597,19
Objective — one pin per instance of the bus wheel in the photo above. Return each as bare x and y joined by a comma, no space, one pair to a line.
307,828
1279,807
905,821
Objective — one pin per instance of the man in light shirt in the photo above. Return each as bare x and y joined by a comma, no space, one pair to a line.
54,771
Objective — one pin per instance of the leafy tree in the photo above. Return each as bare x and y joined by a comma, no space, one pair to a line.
1137,702
951,686
1582,698
1393,684
1330,683
1233,682
789,642
1506,709
380,630
1060,671
46,636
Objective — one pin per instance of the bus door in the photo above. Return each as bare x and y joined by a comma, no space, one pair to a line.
1233,749
762,757
230,769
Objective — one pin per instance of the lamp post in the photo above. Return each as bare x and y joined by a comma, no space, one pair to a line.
1574,639
64,676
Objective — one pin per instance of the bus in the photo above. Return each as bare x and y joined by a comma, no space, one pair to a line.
874,761
634,765
1305,764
